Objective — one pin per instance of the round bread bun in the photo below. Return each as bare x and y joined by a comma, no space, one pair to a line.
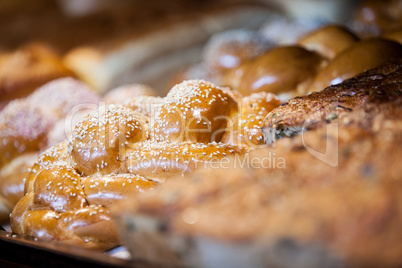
23,129
359,57
279,70
100,139
227,50
329,41
286,31
383,16
194,111
29,125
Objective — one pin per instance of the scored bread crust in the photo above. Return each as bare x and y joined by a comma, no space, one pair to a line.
332,103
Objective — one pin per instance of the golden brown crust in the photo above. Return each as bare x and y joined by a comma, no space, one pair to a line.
59,97
109,158
12,176
24,205
162,160
108,189
56,155
100,140
229,49
146,105
328,41
246,128
25,123
361,56
279,70
58,188
195,111
89,226
319,108
23,128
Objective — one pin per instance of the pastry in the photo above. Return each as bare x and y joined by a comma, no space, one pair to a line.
115,152
27,126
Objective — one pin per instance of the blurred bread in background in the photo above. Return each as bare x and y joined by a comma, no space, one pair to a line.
26,68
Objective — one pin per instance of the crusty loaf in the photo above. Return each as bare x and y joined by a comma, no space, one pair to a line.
320,108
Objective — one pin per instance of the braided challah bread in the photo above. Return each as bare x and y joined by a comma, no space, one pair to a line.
194,111
27,126
116,152
246,129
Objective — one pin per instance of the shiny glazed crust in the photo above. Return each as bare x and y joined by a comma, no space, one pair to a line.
111,155
30,125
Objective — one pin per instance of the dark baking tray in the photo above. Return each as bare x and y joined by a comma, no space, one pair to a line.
21,251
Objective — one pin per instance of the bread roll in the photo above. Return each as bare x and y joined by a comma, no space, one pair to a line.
328,41
194,111
359,57
229,49
99,142
280,70
374,17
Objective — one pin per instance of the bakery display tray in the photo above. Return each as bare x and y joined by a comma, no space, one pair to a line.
21,251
